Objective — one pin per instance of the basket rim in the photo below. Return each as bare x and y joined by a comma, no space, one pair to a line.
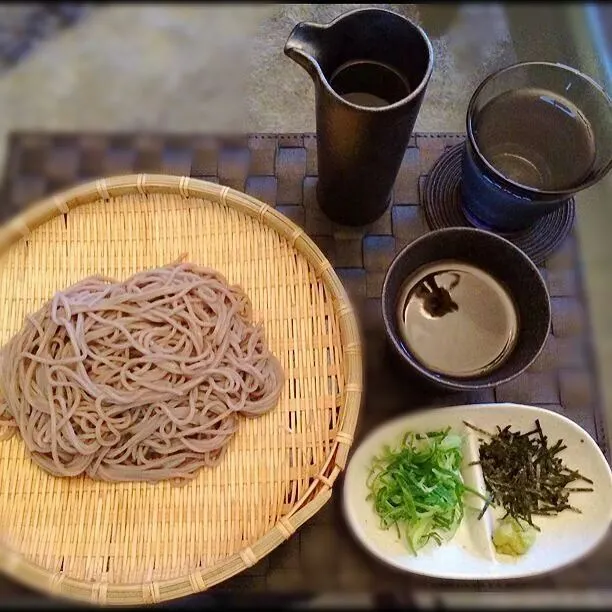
14,565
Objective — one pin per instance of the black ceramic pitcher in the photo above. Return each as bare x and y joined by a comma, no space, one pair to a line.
370,68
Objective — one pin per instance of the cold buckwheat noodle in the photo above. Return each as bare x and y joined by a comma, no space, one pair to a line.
137,380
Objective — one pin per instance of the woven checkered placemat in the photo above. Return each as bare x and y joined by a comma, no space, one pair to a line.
281,169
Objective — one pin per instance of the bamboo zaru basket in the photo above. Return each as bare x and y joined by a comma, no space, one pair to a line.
134,543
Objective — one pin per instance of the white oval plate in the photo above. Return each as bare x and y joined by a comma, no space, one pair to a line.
470,554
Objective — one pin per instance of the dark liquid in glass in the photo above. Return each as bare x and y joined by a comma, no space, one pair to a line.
536,138
368,83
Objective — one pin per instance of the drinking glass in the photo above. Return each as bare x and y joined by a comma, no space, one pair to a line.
537,134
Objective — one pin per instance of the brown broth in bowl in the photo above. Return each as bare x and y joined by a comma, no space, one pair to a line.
456,319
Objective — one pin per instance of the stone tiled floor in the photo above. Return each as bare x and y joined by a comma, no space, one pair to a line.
24,26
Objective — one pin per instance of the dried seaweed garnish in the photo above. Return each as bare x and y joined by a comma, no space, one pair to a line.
524,475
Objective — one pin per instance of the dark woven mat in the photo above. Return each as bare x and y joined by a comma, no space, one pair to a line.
282,171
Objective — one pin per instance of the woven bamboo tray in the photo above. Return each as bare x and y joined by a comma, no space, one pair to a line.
126,544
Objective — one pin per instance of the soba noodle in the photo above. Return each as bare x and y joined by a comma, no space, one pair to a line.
137,380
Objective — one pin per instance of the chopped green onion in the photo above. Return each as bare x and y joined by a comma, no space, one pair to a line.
417,487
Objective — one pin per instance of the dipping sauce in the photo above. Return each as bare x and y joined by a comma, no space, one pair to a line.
456,319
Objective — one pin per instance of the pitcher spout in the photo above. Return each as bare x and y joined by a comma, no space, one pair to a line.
304,46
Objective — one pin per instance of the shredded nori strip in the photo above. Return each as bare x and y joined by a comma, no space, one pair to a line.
524,475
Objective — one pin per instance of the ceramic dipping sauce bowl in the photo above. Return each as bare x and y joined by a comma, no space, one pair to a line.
464,309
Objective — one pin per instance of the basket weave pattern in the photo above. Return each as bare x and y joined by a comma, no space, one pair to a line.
129,543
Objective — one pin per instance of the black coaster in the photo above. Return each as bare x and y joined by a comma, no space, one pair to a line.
441,200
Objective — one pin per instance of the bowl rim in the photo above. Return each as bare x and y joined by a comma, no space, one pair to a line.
449,382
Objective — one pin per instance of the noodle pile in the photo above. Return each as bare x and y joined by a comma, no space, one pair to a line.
137,380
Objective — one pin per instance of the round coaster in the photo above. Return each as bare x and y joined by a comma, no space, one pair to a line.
441,200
